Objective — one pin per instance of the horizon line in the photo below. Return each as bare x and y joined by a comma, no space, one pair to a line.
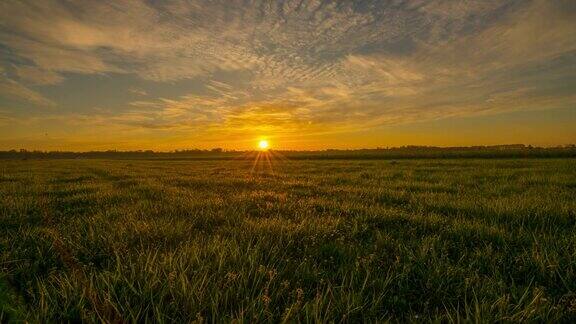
223,150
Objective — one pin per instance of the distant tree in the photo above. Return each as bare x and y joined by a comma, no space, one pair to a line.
217,150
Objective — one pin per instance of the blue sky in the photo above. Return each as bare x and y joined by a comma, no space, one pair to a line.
162,75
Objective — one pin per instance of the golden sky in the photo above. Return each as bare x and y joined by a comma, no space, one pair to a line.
163,75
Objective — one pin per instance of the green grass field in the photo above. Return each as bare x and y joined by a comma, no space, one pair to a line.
314,241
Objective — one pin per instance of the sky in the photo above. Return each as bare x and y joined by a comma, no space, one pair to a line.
317,74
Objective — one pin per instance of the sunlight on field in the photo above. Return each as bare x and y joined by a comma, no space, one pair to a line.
361,240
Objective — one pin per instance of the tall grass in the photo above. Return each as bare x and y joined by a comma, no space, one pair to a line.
316,241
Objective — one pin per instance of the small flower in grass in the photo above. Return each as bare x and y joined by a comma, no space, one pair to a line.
299,295
231,276
572,307
285,284
266,299
271,274
171,276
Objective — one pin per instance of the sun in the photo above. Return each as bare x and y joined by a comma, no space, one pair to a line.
263,145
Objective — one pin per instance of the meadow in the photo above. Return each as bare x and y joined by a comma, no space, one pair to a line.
452,240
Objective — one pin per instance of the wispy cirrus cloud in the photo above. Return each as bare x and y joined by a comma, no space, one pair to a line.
35,75
16,91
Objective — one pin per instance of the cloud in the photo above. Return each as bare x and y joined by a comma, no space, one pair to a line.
175,40
138,91
288,66
16,91
463,9
36,75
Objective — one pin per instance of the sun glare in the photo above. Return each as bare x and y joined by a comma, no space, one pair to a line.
263,145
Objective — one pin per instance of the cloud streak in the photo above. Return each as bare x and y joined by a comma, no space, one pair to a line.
16,91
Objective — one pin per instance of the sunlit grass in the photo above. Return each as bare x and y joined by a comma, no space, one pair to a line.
182,241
